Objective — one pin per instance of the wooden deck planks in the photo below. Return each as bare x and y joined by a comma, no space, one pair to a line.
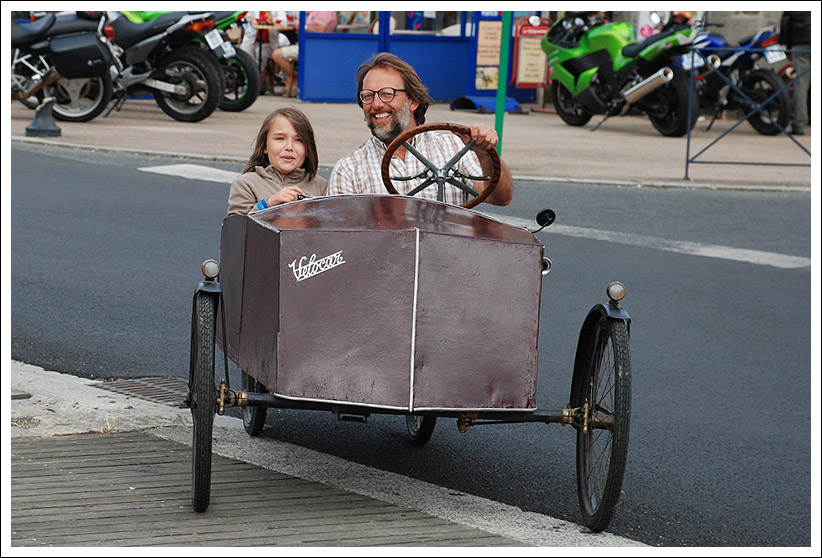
134,489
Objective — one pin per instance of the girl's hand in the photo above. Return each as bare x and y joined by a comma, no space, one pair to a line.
287,194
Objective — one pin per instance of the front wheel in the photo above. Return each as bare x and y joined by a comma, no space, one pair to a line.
198,74
202,397
759,85
602,435
242,82
566,105
81,99
667,106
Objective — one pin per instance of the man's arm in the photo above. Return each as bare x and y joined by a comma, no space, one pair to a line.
486,138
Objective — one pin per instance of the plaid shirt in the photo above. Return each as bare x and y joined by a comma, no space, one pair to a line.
360,172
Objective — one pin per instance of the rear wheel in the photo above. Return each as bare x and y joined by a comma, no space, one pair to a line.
759,85
420,428
667,106
602,436
566,105
242,76
253,417
203,397
81,99
200,78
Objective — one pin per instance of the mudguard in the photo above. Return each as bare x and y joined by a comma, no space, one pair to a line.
611,311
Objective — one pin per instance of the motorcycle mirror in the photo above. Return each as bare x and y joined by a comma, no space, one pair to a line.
534,20
655,19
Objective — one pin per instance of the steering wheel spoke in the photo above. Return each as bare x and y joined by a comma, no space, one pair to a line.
449,173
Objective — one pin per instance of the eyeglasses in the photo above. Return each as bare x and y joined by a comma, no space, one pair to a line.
386,95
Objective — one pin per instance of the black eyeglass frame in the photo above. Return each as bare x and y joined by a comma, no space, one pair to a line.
380,94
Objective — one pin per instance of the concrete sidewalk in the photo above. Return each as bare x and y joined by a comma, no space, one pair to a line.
624,150
91,467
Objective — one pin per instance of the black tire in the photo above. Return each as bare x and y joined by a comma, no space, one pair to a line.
667,106
420,428
203,397
567,107
602,445
80,100
199,72
758,86
242,75
253,417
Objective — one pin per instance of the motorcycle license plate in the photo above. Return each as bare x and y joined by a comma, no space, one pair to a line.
691,60
774,53
228,49
214,39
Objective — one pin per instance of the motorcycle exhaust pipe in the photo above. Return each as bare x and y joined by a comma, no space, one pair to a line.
638,91
712,63
51,77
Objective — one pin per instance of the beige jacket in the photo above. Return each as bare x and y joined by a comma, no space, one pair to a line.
254,185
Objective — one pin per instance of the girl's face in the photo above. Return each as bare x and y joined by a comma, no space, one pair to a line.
284,147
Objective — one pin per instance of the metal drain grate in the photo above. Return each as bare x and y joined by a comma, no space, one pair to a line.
168,391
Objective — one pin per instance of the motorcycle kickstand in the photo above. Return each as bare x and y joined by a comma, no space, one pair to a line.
117,104
595,128
711,123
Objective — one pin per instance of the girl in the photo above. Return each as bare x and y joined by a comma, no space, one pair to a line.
282,166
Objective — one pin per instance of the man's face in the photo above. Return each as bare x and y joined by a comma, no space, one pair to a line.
388,120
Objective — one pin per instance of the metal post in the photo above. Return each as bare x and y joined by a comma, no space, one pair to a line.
502,83
43,123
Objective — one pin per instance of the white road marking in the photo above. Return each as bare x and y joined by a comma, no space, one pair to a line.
757,257
195,172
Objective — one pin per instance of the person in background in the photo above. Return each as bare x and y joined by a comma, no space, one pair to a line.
284,57
795,33
282,167
394,101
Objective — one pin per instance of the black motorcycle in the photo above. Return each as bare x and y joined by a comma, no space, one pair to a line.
63,56
161,57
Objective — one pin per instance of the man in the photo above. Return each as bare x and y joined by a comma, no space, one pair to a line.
394,101
795,33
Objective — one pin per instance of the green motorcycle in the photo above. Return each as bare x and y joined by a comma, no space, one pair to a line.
598,68
240,70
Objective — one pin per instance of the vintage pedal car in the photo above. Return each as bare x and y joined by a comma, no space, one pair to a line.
365,304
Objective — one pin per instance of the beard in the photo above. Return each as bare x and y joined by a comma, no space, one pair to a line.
398,124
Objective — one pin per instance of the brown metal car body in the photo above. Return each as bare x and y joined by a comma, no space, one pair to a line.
384,302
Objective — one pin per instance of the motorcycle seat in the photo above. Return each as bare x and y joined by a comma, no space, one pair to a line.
746,40
127,33
28,33
632,50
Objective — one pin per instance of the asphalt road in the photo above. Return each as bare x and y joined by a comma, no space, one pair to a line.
105,258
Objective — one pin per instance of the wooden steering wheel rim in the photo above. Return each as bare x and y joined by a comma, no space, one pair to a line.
454,128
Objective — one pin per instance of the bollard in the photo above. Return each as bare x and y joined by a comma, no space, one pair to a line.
43,123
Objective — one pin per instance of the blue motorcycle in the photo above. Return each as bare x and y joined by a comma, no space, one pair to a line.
747,85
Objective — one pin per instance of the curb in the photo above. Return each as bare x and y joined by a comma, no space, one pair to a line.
683,184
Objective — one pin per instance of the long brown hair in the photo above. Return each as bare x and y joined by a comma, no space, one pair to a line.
414,87
301,125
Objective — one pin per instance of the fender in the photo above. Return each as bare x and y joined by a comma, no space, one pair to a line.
601,311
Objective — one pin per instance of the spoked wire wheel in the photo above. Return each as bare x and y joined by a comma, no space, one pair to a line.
602,438
203,397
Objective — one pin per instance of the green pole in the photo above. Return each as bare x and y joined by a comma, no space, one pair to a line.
502,86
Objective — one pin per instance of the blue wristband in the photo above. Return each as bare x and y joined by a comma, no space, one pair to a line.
262,204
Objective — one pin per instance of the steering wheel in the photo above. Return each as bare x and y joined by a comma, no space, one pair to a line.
439,176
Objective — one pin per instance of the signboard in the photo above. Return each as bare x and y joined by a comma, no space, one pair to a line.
530,61
489,39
